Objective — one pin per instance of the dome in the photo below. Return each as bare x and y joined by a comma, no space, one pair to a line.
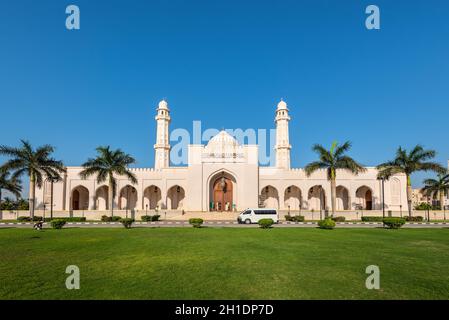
222,139
163,105
282,105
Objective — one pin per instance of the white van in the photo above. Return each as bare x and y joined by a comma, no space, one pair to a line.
254,215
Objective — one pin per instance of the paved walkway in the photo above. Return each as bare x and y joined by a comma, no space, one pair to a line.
234,224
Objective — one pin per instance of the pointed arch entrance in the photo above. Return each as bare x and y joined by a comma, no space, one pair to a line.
222,192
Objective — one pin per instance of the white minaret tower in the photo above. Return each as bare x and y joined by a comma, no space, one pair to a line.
282,136
162,146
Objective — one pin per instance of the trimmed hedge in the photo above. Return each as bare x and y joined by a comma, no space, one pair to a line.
127,222
110,219
339,219
196,222
58,223
414,219
327,224
294,218
266,223
372,219
394,223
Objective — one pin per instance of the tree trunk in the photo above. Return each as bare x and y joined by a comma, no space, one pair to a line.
1,202
111,196
333,195
32,194
441,192
409,196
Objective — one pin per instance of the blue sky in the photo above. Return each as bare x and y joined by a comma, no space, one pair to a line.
226,63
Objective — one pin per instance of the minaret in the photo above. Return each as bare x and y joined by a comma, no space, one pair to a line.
162,146
282,137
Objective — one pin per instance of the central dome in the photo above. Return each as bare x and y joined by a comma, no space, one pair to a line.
222,139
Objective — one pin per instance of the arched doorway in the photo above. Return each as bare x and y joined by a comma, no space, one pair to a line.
270,197
316,198
292,196
102,197
342,198
223,194
175,197
364,196
128,198
152,198
80,198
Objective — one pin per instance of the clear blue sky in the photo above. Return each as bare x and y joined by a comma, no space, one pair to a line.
226,63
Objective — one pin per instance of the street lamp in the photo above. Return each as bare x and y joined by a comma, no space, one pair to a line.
383,195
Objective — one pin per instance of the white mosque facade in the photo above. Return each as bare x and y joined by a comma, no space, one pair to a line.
224,175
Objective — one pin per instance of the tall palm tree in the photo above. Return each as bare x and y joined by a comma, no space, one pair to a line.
333,160
11,184
408,163
107,164
36,163
439,185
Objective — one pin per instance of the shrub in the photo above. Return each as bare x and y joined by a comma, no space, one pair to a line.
146,218
415,219
266,223
294,218
326,224
339,219
57,223
155,217
23,219
72,219
394,223
298,218
196,222
423,206
372,219
110,219
127,222
38,218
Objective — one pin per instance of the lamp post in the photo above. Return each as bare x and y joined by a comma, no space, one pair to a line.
383,196
127,201
400,206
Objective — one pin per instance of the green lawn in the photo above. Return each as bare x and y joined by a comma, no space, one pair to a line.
224,263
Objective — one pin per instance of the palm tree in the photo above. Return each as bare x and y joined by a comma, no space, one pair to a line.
10,184
107,164
36,163
408,163
52,180
440,185
333,160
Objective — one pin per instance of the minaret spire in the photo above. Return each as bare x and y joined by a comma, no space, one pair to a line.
162,146
282,136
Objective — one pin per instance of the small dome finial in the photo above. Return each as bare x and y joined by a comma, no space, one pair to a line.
163,104
282,104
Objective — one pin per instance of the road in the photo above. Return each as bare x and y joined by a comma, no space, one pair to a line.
226,224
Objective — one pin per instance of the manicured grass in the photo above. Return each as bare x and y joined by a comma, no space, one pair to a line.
224,263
